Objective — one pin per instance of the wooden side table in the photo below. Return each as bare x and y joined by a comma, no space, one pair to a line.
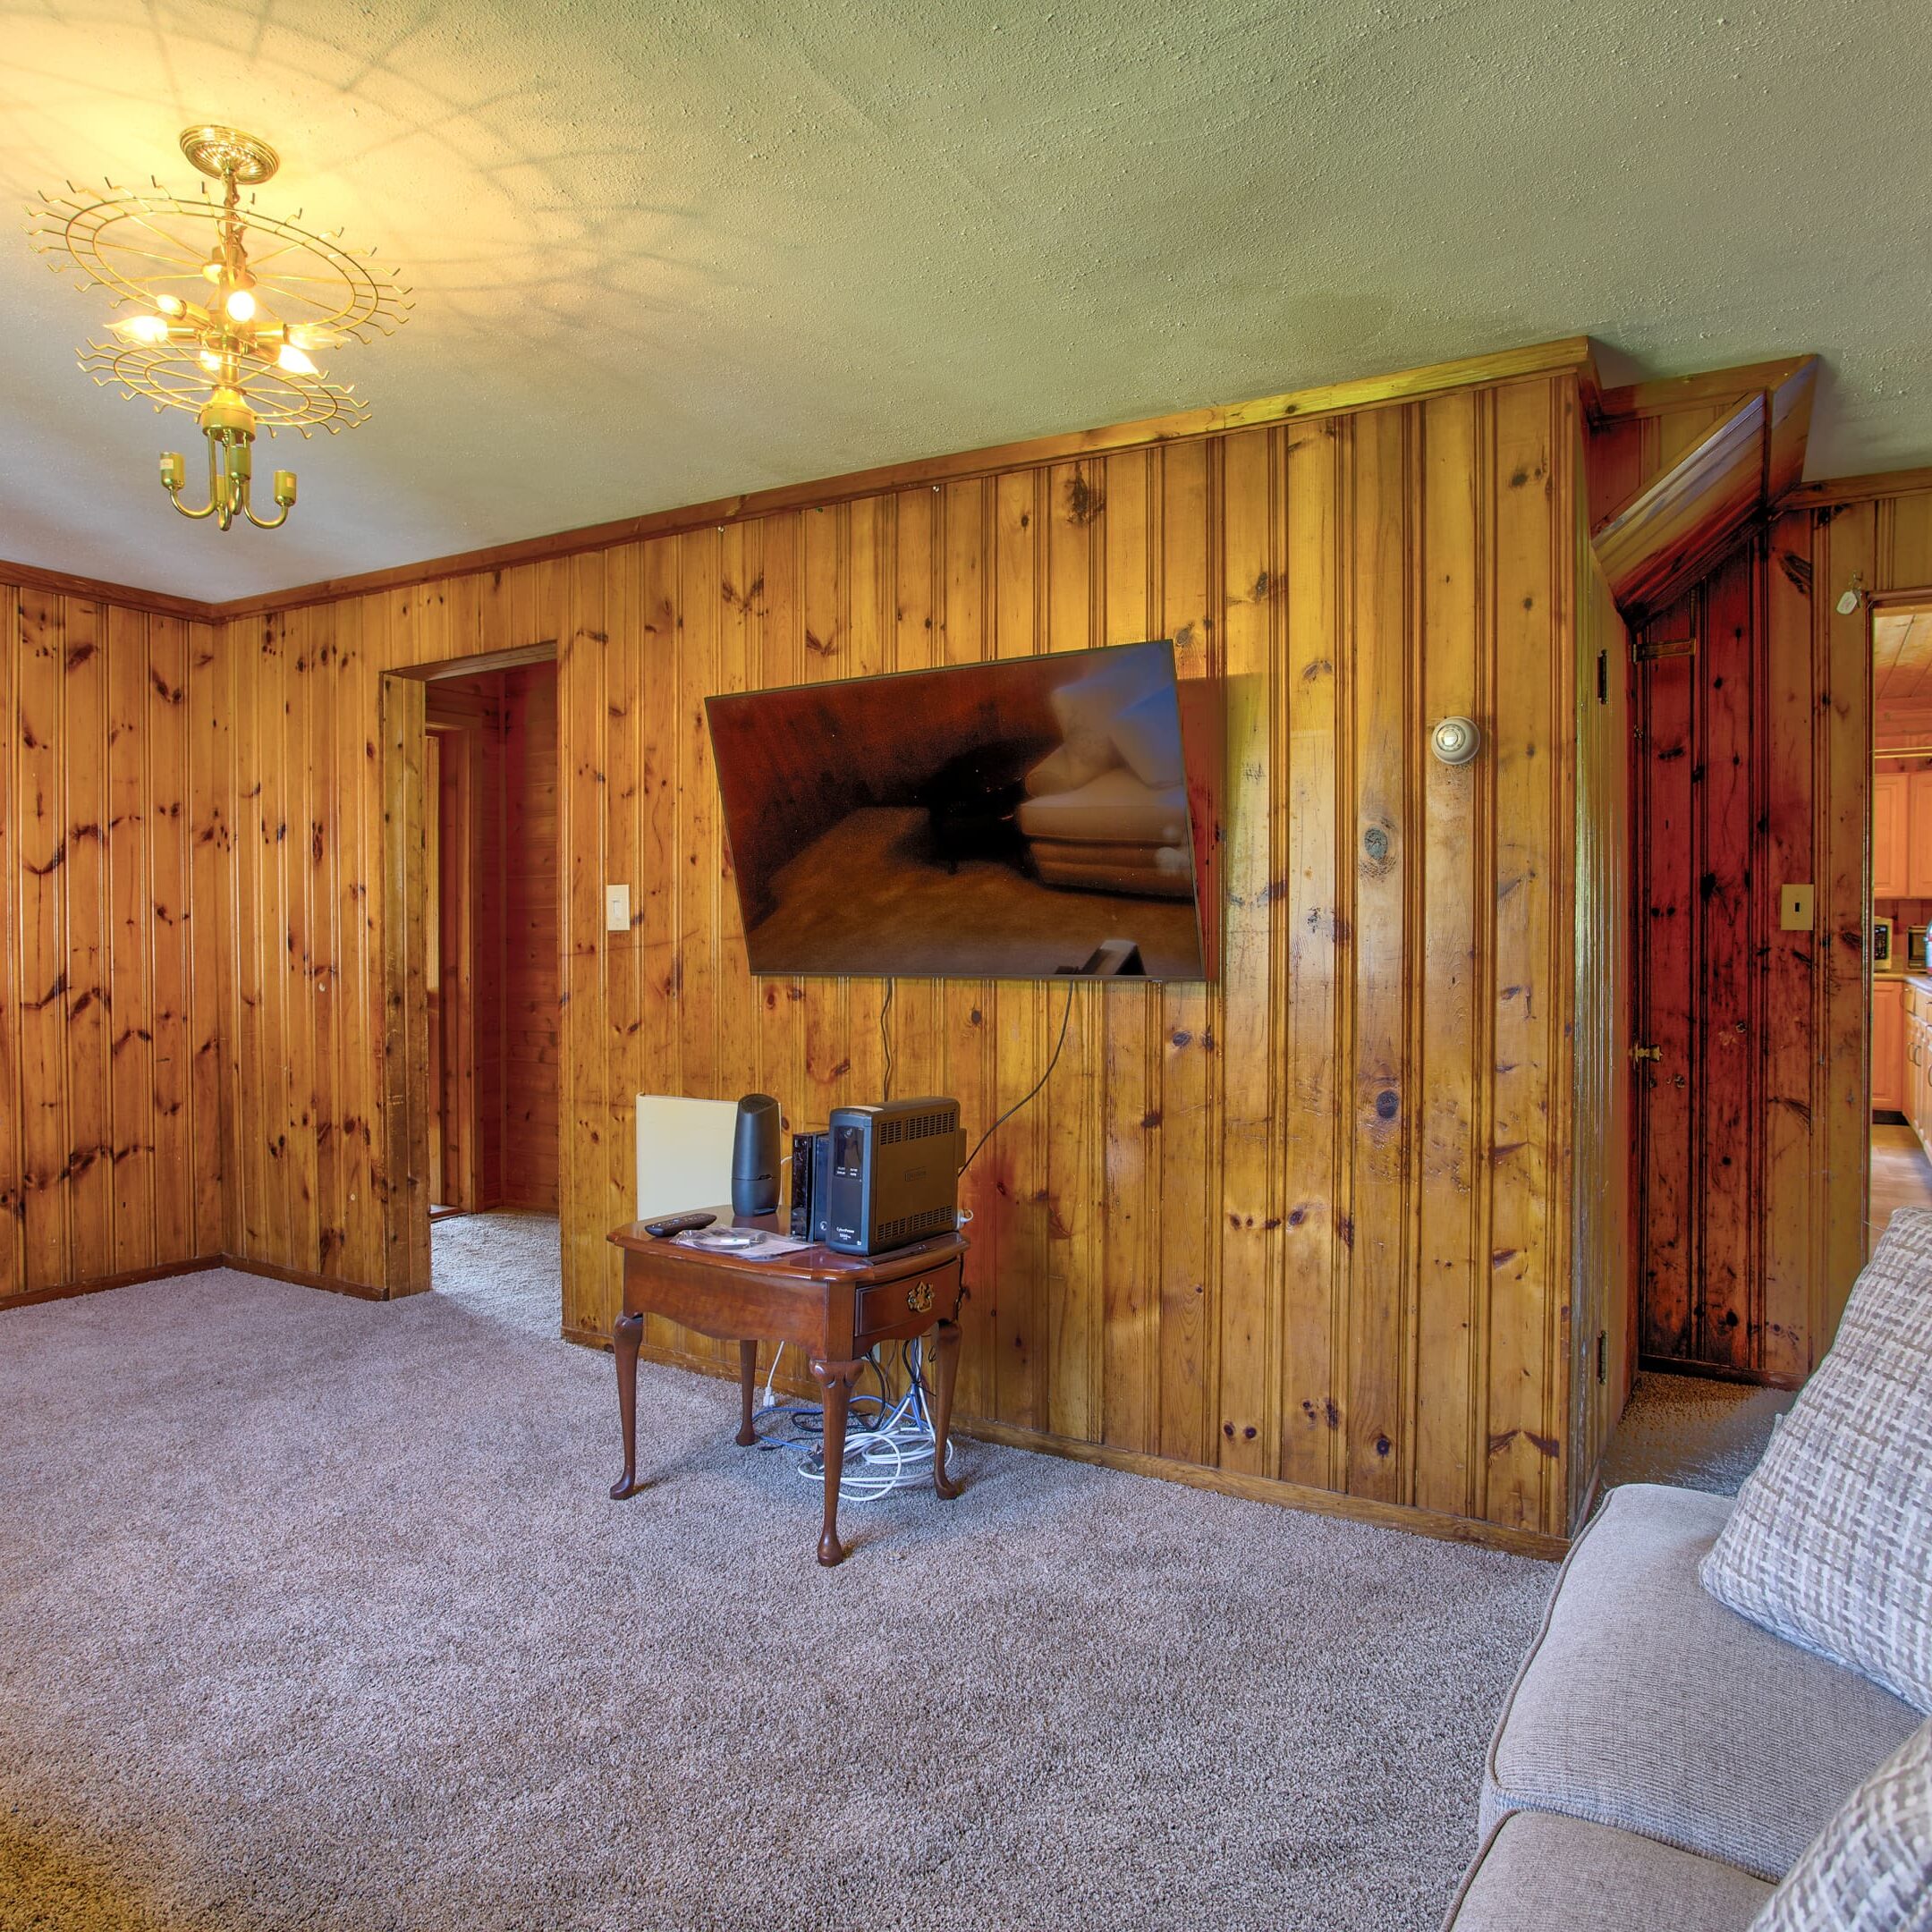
835,1306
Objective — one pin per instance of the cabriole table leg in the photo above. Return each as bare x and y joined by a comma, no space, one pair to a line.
946,1371
627,1333
747,1391
835,1380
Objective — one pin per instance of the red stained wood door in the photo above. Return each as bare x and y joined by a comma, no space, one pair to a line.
1712,847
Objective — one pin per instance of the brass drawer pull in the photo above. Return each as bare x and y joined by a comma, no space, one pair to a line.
919,1297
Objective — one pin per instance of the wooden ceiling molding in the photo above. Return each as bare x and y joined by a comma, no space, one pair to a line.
1575,354
1834,492
1686,520
91,589
1651,549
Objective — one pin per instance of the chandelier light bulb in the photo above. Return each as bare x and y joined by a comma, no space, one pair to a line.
217,350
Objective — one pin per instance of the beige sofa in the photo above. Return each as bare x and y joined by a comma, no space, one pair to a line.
1661,1761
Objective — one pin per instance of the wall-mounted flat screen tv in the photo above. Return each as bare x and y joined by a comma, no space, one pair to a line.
1016,820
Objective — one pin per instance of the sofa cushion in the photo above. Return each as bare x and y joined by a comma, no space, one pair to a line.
1831,1541
1540,1872
1645,1703
1870,1868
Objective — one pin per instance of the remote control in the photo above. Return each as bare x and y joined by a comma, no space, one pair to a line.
678,1224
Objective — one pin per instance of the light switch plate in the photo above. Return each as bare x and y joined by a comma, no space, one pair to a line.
617,909
1795,908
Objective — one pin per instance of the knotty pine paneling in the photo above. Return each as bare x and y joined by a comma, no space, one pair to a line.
1310,1223
113,870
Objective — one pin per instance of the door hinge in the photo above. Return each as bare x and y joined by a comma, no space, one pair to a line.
1640,1052
1603,1356
1649,649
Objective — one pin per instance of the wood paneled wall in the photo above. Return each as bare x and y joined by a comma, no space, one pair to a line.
1310,1223
1752,773
113,864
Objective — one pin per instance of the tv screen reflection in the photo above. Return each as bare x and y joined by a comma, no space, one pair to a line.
1016,819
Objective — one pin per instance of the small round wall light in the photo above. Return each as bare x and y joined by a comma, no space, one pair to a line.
1456,740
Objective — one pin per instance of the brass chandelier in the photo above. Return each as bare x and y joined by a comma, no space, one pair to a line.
227,310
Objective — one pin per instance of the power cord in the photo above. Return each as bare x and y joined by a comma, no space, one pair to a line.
1066,1014
885,1038
895,1453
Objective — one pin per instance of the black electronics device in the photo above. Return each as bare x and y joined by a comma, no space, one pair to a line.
754,1170
893,1174
811,1170
678,1224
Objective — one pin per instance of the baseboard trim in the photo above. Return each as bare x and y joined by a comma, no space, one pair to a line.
102,1283
300,1279
1281,1493
1716,1372
198,1265
1270,1489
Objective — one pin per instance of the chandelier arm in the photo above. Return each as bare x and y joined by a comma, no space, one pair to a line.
207,509
247,506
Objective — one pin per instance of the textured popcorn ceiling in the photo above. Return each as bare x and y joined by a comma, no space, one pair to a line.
666,252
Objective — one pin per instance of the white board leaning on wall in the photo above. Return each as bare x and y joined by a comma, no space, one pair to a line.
683,1154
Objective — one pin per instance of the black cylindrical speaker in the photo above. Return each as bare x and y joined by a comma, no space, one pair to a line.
754,1168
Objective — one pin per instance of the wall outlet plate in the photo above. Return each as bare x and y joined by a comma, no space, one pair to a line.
1796,907
617,909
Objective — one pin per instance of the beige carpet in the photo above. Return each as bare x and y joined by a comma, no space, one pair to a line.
316,1614
1693,1431
503,1264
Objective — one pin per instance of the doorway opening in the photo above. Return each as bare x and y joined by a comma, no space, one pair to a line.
490,940
473,965
1900,988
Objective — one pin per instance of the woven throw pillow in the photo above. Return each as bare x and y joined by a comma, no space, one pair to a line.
1831,1542
1870,1868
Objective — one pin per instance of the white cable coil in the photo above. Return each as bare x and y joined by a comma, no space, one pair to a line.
893,1454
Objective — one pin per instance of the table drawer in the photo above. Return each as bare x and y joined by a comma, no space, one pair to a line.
929,1295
